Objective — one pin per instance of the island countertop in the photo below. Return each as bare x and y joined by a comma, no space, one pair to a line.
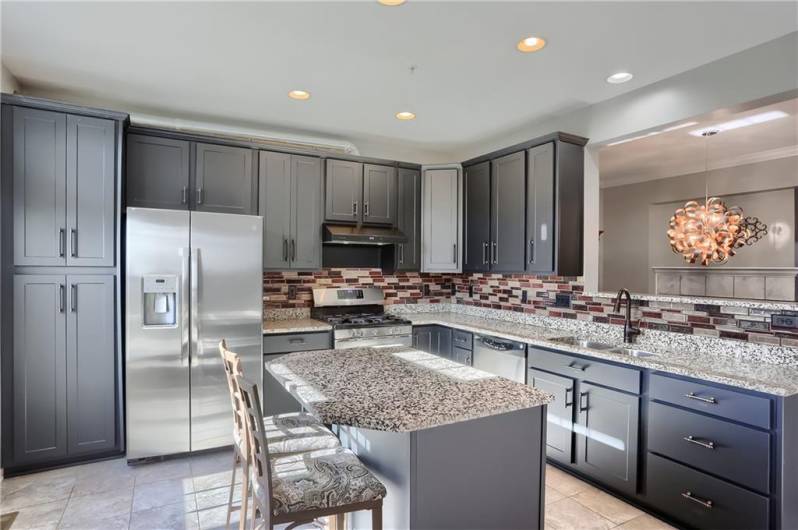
397,389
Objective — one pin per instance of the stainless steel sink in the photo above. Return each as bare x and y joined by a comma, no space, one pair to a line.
633,352
583,343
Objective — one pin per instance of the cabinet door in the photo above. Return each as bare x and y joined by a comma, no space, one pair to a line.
507,213
540,209
560,428
343,191
40,390
91,364
409,220
476,200
461,355
379,195
440,221
606,446
442,342
422,338
157,172
39,169
224,180
274,204
90,191
305,243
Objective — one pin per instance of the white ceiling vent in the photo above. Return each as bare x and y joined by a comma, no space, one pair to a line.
261,137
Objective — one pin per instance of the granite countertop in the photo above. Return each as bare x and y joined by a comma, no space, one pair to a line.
719,367
294,325
397,389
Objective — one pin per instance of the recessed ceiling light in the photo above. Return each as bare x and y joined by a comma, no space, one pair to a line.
620,77
742,122
405,115
391,3
299,94
530,44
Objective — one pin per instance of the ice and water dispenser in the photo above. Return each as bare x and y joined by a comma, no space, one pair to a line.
160,300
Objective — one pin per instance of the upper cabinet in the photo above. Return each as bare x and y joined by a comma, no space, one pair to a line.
224,180
290,203
180,174
409,220
64,180
360,193
440,220
523,208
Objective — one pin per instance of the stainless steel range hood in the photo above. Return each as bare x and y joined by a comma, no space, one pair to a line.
361,235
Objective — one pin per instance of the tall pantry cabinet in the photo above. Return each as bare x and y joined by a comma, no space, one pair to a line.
60,290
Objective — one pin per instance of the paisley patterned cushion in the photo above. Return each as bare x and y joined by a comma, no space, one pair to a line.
321,479
294,432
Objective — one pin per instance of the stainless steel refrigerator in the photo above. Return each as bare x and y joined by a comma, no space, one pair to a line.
192,279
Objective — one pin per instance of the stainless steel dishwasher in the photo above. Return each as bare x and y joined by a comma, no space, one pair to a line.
502,357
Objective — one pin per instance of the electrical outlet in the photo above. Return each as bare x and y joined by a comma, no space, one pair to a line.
454,288
562,300
425,289
524,297
292,292
471,290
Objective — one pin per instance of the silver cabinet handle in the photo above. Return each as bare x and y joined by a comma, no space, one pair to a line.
569,391
495,257
706,503
296,340
454,253
199,195
703,443
365,209
578,367
285,249
73,243
401,253
61,242
711,400
61,297
584,397
184,195
73,305
293,250
195,319
185,275
484,252
531,251
354,208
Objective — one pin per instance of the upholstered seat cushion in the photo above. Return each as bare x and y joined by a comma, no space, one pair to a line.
295,432
321,479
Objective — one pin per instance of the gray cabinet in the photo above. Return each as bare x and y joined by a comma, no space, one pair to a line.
224,180
343,191
560,428
91,364
476,207
379,194
433,339
607,440
290,203
540,209
157,172
39,175
440,220
90,186
63,167
462,356
409,220
276,399
39,382
507,212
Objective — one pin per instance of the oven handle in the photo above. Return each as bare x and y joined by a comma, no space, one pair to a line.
351,339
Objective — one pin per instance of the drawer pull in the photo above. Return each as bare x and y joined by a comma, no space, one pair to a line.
569,403
297,340
702,443
705,503
578,367
711,400
584,397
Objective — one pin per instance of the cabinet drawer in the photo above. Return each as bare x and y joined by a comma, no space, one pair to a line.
291,342
462,356
737,406
701,501
462,339
731,451
627,379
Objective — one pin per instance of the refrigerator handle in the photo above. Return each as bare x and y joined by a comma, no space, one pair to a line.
185,254
195,324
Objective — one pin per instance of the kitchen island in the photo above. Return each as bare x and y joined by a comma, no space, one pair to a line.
455,447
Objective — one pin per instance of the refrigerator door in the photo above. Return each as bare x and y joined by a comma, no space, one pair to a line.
227,303
157,371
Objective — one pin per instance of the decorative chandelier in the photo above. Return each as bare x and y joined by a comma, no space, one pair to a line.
707,233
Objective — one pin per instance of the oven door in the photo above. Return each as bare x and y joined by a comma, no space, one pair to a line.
374,342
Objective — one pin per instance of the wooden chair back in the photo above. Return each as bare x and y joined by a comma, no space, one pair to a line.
261,472
232,370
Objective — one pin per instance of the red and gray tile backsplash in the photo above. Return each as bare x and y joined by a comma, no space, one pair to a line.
528,294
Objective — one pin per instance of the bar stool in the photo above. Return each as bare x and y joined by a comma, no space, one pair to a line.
285,433
300,488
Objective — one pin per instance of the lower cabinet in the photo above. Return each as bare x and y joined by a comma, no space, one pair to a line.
64,384
560,428
433,339
276,399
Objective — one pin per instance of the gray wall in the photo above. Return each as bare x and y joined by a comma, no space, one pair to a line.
640,212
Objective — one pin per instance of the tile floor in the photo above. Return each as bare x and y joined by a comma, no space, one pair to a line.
191,494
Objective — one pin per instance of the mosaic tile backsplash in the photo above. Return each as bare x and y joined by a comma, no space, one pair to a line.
527,294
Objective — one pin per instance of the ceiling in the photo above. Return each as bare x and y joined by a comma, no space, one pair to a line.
234,62
669,154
